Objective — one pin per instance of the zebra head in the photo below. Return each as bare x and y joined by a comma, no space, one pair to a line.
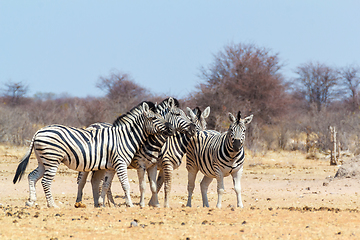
169,108
155,123
198,118
237,130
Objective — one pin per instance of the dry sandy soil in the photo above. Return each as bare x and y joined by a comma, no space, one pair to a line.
285,195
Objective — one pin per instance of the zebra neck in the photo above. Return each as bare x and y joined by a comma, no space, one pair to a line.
130,137
175,146
135,116
228,148
152,146
183,140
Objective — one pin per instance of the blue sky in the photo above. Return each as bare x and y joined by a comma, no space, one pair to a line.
65,46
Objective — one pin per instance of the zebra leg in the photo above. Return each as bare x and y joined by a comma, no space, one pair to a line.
49,175
121,171
81,181
237,186
95,183
160,180
106,187
33,177
204,185
110,175
154,201
142,185
168,169
191,184
220,188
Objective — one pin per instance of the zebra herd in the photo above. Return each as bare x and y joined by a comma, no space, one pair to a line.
148,138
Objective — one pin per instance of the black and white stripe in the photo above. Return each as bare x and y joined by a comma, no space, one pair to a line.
85,150
145,160
146,157
173,151
217,155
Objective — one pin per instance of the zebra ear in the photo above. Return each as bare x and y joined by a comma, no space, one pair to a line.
190,113
145,107
171,102
231,117
206,112
248,119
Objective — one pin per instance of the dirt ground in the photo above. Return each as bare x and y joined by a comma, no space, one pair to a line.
285,196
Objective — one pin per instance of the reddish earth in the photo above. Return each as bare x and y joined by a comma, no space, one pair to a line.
285,195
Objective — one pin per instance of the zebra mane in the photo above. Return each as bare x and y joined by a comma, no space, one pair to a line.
139,106
238,116
166,101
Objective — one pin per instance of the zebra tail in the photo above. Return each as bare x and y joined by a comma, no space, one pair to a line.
23,163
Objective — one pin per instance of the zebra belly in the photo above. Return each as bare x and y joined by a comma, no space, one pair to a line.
93,165
227,171
54,155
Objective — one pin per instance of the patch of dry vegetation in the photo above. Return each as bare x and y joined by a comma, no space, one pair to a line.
285,196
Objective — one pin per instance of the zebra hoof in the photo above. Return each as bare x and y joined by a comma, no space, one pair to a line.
53,206
29,204
154,205
129,204
80,205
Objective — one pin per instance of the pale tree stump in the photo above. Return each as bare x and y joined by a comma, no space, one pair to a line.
333,153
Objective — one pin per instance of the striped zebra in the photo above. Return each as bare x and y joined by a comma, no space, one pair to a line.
173,152
96,177
145,158
84,150
217,155
170,156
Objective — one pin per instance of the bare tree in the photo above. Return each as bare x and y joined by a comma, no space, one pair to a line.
14,92
121,89
351,79
91,110
242,77
318,82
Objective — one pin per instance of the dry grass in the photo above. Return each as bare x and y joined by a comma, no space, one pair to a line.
285,196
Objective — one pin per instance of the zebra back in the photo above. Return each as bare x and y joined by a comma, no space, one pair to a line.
96,126
87,150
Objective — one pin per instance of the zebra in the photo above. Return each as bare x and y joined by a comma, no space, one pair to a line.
171,156
84,150
143,161
217,155
96,177
145,158
173,152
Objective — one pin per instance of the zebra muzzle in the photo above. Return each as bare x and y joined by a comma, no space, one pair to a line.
236,145
170,130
